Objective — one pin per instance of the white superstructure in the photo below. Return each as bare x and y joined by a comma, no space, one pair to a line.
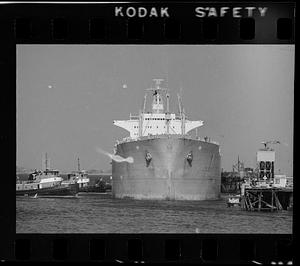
80,177
159,121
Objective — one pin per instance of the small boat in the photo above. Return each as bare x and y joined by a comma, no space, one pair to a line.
47,182
57,190
100,187
80,177
234,200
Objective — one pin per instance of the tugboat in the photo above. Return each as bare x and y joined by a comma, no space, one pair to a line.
234,200
100,186
80,177
47,182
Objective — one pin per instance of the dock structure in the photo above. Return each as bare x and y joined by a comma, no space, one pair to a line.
266,191
266,199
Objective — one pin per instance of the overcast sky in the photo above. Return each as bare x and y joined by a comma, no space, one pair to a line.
69,95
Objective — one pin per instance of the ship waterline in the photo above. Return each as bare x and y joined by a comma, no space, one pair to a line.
179,168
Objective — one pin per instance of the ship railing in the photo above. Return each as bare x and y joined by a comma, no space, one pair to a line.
19,182
134,117
129,139
207,140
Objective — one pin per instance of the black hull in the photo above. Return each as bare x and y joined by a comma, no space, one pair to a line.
92,189
70,190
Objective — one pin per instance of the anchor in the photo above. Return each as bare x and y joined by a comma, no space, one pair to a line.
189,158
148,158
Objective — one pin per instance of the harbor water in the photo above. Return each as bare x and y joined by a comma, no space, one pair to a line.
100,213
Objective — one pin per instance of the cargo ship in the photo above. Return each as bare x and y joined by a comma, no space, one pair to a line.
166,162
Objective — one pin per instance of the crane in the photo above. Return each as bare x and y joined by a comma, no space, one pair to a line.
266,143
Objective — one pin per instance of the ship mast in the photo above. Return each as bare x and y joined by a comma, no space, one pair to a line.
181,114
141,116
78,164
179,103
144,104
46,161
168,116
157,103
183,122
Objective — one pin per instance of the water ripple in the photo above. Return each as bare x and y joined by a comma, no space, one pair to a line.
102,214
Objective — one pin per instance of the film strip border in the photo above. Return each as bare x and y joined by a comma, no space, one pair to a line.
150,23
99,24
154,248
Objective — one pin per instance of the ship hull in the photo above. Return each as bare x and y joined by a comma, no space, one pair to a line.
169,174
59,190
98,189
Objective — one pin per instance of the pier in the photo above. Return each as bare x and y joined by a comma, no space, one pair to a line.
267,199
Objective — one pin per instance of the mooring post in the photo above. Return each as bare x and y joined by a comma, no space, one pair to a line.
272,198
279,206
259,200
245,201
250,203
291,200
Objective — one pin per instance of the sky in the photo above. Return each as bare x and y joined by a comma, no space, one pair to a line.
69,95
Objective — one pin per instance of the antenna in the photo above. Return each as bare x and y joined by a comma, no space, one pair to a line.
168,102
167,79
46,161
157,87
157,103
179,104
266,143
157,82
144,104
78,164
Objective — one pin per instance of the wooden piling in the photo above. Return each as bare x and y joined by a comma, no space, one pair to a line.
272,200
263,199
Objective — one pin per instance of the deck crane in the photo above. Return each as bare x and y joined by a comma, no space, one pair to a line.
266,143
